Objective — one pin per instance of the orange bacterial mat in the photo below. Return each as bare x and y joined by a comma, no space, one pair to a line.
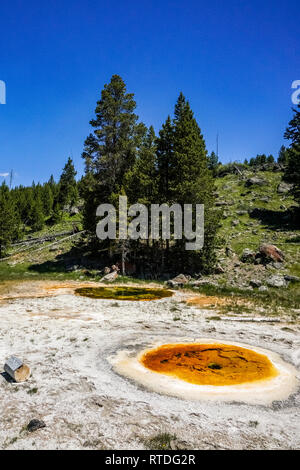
209,364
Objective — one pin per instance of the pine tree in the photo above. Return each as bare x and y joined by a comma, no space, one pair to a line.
192,181
141,180
191,178
56,216
8,219
36,215
262,159
213,162
47,199
164,158
292,173
282,156
68,193
51,182
27,207
111,150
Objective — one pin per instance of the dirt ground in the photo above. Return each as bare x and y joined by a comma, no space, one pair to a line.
68,341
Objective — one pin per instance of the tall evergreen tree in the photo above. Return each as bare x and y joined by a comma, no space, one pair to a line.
282,156
36,215
262,159
141,179
68,193
192,181
56,215
47,199
292,173
164,158
111,150
191,178
213,162
8,219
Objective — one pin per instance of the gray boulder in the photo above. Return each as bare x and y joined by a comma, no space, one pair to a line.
263,288
255,283
35,424
264,199
179,280
235,222
222,203
74,210
204,282
109,277
276,281
277,265
284,187
256,181
248,256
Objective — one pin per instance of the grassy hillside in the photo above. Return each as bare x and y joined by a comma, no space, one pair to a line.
262,214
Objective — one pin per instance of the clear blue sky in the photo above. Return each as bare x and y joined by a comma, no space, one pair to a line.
235,61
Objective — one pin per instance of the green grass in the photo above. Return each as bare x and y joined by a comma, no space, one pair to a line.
23,271
57,271
295,268
32,391
127,279
161,441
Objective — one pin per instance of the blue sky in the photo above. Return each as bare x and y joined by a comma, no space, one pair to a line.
235,62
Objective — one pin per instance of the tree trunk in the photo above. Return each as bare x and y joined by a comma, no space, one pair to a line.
163,256
123,261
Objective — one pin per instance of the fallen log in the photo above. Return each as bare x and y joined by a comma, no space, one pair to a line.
239,171
45,238
58,242
45,246
15,368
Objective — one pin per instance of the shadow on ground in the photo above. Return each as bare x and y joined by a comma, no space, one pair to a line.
283,220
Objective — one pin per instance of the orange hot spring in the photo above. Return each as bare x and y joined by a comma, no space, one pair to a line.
209,364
